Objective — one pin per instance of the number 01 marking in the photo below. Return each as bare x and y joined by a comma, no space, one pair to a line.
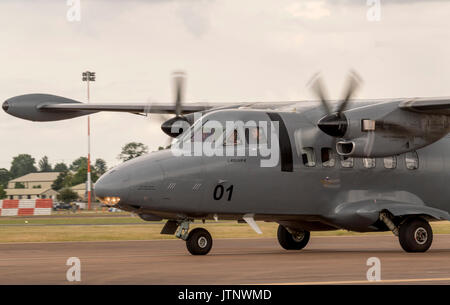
219,190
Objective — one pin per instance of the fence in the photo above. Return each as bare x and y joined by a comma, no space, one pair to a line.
26,207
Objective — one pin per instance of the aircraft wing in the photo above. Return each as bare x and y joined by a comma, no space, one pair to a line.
127,107
47,107
440,106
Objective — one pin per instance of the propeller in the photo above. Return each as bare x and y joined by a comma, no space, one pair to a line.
334,123
166,120
160,118
179,81
178,87
353,82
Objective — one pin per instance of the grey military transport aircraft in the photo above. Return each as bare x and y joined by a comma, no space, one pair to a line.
358,165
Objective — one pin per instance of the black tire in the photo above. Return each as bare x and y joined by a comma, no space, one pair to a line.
290,242
199,242
415,235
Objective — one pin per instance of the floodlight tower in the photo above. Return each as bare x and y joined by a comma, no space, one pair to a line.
89,77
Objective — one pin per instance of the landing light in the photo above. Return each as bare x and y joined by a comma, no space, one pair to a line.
109,200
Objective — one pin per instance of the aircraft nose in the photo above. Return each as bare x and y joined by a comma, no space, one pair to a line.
136,182
5,106
109,188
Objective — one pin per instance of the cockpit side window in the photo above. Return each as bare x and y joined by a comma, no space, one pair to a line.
205,135
255,135
233,139
208,131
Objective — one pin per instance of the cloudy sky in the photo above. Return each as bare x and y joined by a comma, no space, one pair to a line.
231,50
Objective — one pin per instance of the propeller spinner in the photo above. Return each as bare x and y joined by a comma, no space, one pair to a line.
335,123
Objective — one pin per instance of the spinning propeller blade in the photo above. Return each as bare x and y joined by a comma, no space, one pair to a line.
334,123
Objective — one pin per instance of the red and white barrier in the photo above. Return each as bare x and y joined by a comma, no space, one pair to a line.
26,207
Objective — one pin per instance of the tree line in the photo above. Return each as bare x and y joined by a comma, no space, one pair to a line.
70,175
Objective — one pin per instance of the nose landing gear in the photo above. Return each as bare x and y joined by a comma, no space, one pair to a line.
198,241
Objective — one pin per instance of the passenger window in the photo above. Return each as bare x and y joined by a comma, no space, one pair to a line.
369,162
346,162
412,160
390,162
328,158
308,157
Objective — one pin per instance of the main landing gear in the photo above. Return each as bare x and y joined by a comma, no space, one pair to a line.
292,240
414,233
198,240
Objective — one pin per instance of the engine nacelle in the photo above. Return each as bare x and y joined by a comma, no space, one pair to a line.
383,130
376,146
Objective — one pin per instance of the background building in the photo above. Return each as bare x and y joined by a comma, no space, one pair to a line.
80,189
32,186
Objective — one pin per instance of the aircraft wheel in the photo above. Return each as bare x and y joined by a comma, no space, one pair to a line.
415,235
292,242
199,242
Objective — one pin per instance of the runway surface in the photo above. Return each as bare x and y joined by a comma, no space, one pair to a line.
327,260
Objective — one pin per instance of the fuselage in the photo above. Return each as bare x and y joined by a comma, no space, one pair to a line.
309,184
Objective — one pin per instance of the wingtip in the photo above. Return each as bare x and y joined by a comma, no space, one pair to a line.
5,106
